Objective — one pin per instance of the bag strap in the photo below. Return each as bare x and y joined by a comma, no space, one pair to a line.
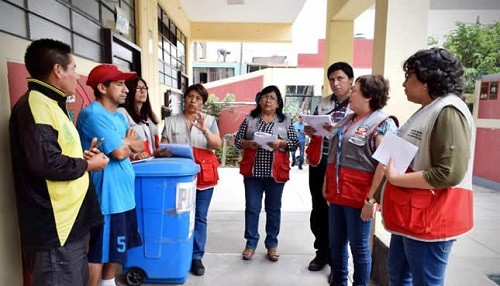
338,107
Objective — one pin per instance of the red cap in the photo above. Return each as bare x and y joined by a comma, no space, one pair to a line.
107,72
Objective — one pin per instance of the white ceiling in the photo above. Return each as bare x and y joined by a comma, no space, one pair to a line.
251,11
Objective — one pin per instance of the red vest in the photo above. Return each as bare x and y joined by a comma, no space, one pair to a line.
208,175
428,215
352,189
314,150
280,165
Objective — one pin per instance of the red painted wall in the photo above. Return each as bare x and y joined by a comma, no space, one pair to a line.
244,91
489,106
363,52
487,157
17,74
313,60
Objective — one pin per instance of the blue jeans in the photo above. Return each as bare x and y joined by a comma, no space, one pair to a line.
346,227
418,263
301,154
255,187
203,199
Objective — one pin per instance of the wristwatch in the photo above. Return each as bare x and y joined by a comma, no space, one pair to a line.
370,201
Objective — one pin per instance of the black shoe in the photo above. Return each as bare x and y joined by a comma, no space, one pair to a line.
300,167
293,164
318,263
197,267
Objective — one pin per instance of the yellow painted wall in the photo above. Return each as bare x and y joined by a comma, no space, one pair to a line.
241,32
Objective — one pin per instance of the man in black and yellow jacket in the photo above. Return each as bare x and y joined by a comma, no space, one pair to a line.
56,202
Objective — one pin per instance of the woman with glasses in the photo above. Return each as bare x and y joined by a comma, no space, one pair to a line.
352,176
141,118
430,205
266,137
199,130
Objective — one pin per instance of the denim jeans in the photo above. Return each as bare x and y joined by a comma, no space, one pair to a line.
346,227
301,154
255,187
203,199
418,263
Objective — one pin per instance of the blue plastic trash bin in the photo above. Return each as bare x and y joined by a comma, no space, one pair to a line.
165,194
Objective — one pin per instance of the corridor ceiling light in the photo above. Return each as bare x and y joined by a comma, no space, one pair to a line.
235,2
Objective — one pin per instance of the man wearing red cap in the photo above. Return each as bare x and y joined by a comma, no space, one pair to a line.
115,184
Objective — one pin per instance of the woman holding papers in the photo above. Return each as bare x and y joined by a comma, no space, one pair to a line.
430,205
352,176
201,132
265,167
141,118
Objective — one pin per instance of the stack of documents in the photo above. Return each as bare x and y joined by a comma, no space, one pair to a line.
317,122
262,138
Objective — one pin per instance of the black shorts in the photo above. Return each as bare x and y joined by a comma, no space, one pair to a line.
109,242
59,266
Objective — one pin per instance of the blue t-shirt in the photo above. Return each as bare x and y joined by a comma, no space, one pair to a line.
299,128
114,184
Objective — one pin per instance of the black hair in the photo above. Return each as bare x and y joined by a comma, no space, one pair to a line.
43,54
146,109
268,89
439,69
376,87
343,66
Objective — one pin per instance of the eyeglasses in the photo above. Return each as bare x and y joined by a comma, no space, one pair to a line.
268,97
143,89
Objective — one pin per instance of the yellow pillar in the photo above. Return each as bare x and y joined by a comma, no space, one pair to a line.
400,30
339,43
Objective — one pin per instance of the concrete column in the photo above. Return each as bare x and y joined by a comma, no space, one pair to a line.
400,31
339,39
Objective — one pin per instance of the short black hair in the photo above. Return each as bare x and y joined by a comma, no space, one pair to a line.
343,66
43,54
439,69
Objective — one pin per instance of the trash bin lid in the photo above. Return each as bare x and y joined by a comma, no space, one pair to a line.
166,167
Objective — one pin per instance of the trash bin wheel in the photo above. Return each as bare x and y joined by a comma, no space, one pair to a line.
135,276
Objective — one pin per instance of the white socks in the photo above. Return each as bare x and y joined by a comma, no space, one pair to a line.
108,282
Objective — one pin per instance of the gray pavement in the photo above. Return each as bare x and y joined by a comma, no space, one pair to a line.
474,257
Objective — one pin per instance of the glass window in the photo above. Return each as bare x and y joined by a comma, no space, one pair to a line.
108,18
12,19
57,12
90,49
86,27
41,28
91,7
17,2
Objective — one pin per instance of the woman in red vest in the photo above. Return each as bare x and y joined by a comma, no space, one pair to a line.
352,176
199,130
430,205
266,137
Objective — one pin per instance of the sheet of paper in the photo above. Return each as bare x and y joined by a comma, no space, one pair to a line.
179,150
140,160
317,122
400,150
262,138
